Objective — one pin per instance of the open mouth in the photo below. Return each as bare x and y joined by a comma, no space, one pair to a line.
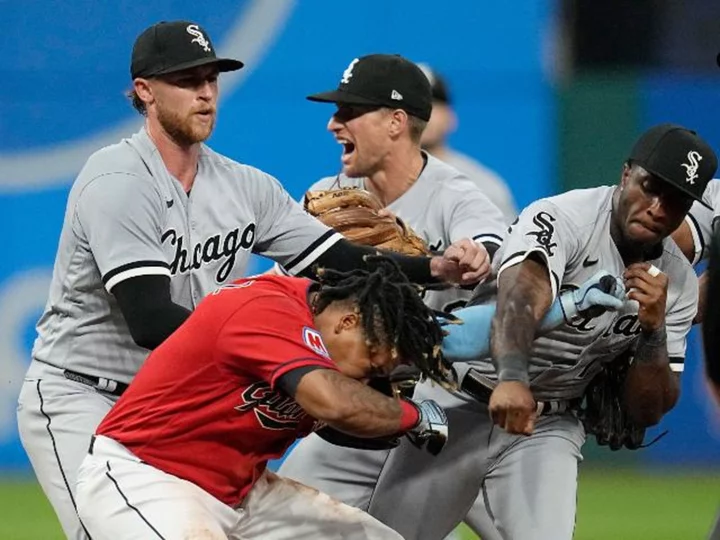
348,148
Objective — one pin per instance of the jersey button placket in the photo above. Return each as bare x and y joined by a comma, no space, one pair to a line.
192,234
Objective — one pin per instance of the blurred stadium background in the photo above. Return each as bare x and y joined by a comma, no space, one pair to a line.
549,93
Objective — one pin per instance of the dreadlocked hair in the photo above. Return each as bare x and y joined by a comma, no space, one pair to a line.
391,311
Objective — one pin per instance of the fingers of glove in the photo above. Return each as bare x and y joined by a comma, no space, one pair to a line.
471,339
595,297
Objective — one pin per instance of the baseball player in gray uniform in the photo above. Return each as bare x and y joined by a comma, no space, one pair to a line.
153,224
524,461
522,457
380,138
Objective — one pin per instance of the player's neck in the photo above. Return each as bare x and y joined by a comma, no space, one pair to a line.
399,174
181,161
440,151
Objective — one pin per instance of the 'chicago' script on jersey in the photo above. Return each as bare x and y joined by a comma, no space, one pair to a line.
215,248
626,325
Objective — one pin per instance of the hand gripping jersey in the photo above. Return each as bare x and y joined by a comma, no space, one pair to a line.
205,406
571,232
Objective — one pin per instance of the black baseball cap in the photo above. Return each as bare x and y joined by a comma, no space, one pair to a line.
170,46
678,156
438,84
386,80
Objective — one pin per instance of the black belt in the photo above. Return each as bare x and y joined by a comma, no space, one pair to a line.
473,385
115,388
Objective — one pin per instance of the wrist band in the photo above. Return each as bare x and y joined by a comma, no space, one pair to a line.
512,367
655,338
567,304
410,416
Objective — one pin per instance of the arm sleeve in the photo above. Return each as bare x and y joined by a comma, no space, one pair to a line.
678,320
149,312
270,336
472,214
120,216
544,230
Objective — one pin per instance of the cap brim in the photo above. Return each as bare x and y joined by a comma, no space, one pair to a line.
680,188
223,64
339,96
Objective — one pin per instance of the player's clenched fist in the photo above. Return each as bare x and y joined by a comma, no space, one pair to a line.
513,408
464,262
648,286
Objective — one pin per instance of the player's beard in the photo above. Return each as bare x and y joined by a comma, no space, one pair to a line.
182,129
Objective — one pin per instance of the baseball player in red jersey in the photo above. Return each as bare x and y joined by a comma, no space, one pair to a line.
259,363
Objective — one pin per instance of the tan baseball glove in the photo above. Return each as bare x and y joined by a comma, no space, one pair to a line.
353,212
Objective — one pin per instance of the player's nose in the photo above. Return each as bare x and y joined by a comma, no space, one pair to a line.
332,124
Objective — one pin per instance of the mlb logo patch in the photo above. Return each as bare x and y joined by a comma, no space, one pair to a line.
312,339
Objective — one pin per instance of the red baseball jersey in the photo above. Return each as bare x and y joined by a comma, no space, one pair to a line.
204,406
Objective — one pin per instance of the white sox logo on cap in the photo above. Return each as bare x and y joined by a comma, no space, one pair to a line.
200,39
693,157
348,73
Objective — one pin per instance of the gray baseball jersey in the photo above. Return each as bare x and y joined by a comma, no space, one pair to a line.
489,182
702,220
571,232
127,216
442,206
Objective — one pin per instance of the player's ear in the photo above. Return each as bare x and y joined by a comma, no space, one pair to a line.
143,90
625,177
398,122
347,321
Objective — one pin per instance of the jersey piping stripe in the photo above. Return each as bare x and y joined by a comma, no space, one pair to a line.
488,237
517,258
677,366
312,252
117,486
57,457
698,242
134,269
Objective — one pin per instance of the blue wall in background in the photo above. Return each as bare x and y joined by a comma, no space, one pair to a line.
64,72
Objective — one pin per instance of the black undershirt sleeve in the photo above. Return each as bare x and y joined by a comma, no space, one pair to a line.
288,382
344,256
150,313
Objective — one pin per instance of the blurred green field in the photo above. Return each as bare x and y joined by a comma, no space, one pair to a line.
613,504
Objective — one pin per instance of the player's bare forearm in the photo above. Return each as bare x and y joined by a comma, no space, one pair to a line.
348,405
524,296
651,388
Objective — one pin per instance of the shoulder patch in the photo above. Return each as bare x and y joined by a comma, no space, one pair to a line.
312,339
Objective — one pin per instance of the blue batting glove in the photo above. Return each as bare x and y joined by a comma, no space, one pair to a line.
600,293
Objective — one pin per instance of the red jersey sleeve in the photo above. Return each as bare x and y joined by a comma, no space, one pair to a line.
269,336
